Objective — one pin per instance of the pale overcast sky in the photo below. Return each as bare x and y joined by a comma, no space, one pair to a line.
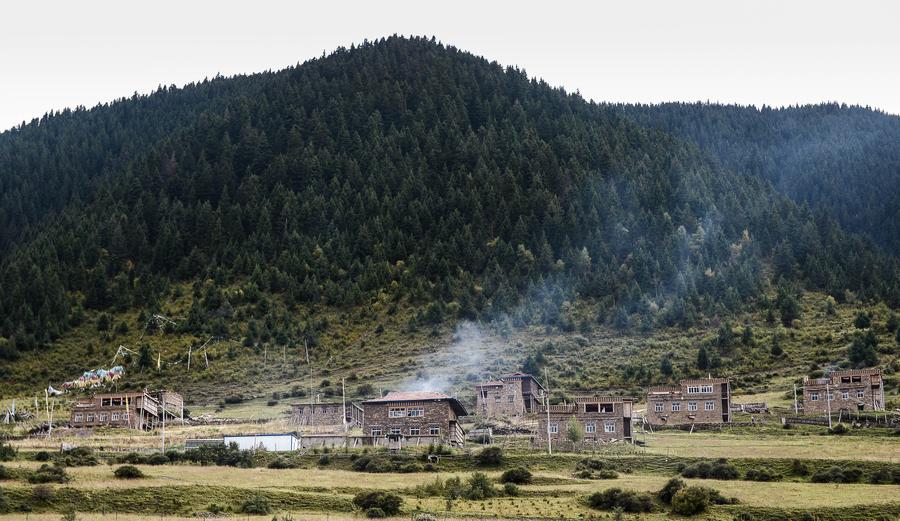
62,54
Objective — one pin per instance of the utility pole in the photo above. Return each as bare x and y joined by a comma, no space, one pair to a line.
309,380
163,422
828,402
796,408
344,404
549,441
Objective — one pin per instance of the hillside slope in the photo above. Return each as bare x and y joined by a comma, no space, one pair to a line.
841,160
399,181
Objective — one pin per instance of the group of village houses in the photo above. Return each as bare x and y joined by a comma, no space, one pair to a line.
425,417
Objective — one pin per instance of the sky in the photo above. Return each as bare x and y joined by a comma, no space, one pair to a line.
62,54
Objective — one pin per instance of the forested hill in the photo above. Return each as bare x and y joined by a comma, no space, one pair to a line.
399,169
839,159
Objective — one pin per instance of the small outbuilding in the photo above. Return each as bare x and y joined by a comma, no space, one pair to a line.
270,442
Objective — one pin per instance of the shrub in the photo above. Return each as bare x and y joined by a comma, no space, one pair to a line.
158,459
594,469
690,501
128,472
324,460
798,468
76,457
4,504
423,516
720,469
836,475
479,486
49,474
375,512
42,493
839,429
627,500
884,476
518,475
7,452
5,473
282,463
511,489
670,489
490,456
388,502
256,504
761,475
42,456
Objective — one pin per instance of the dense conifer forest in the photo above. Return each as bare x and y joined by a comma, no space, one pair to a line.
409,168
838,159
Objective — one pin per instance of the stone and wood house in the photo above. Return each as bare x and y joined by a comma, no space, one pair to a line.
142,410
851,390
512,395
694,401
331,416
415,417
601,419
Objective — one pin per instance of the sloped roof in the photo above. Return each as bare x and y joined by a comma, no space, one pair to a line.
420,396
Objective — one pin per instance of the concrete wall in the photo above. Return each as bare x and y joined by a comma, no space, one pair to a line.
269,442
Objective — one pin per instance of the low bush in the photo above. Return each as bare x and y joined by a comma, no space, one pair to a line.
128,472
256,504
5,473
839,429
836,475
76,457
375,513
42,456
42,493
511,489
798,468
132,458
518,475
761,475
388,502
424,516
7,451
670,489
719,469
690,501
491,456
595,469
479,486
282,463
884,476
324,460
158,459
626,500
49,474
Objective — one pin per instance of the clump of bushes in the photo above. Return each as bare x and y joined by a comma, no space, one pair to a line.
224,455
719,469
670,489
49,474
761,475
382,504
256,504
518,476
839,429
491,456
691,501
836,475
42,493
76,457
7,452
158,459
798,468
376,464
5,473
511,489
595,469
283,463
626,500
884,476
479,486
128,472
42,456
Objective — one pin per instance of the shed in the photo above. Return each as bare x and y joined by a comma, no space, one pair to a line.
269,442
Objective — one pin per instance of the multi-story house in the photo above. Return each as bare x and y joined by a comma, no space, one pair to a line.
509,396
598,418
701,400
416,416
850,390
